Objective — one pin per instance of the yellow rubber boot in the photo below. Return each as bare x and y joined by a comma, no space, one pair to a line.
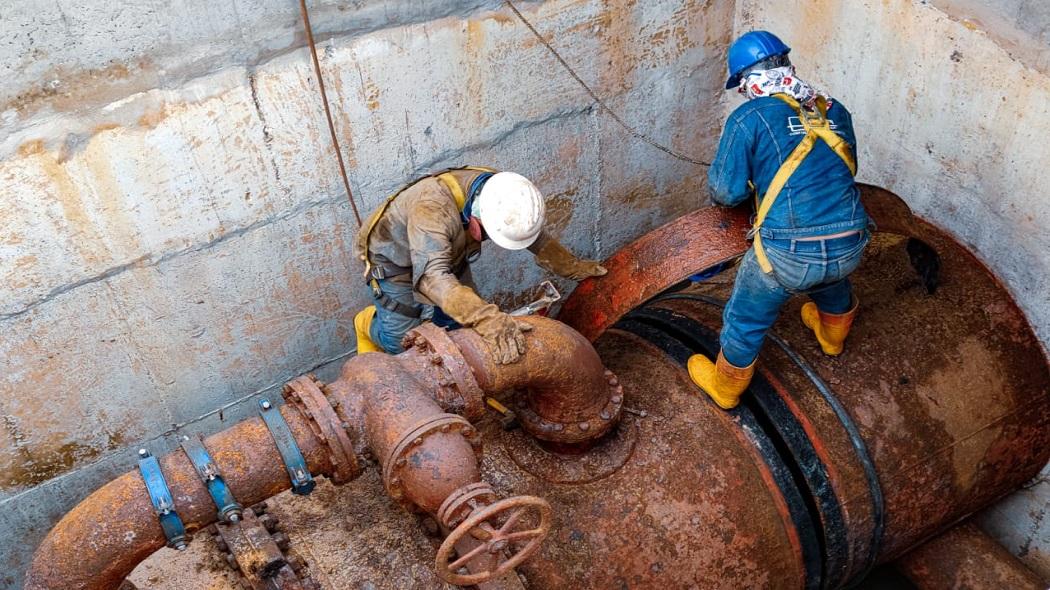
831,329
362,325
720,380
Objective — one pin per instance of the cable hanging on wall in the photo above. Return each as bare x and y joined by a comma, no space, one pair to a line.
601,103
327,109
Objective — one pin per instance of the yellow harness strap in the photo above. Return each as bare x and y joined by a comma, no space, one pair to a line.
446,178
817,127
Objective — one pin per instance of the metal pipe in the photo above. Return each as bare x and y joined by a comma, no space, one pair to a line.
101,540
966,557
397,407
571,398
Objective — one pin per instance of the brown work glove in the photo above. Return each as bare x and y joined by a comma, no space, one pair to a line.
502,333
554,257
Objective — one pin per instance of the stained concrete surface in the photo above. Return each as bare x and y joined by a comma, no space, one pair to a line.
176,241
951,101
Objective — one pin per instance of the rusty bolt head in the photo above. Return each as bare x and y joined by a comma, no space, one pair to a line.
282,541
606,415
616,399
607,373
585,426
619,389
614,381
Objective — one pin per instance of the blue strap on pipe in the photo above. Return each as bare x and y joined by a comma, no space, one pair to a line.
160,496
302,482
229,510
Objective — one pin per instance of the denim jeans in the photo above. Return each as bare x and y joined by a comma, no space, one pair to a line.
818,268
388,327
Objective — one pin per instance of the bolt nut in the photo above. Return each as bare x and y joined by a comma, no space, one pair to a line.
585,426
606,415
559,427
266,405
617,399
143,453
614,381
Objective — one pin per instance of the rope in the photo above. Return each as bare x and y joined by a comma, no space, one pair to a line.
327,109
630,130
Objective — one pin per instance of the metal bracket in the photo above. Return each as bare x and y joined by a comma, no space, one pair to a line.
302,482
163,503
229,510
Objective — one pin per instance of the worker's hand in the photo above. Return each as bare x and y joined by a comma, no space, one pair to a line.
504,336
585,269
558,260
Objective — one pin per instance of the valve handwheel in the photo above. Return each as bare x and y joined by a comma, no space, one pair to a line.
482,525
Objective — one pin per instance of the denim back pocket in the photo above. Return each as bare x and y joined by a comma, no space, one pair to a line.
795,271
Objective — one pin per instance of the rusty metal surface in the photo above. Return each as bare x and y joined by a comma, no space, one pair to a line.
256,550
306,393
694,505
571,398
949,393
965,558
687,245
99,542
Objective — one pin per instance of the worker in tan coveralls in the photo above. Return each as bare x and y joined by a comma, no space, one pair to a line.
417,248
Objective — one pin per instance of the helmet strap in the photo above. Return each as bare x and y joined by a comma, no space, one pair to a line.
472,193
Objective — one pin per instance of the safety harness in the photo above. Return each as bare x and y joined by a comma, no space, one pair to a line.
817,127
375,272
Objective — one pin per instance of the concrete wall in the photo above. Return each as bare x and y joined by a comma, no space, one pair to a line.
175,238
951,101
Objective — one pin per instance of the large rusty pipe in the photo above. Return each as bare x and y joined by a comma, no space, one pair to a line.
98,543
966,557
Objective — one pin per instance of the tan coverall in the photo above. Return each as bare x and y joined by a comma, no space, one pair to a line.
420,242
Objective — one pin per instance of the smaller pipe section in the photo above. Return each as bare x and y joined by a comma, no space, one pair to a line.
98,543
966,557
570,399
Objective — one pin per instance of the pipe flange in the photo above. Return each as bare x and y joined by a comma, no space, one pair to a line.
460,392
398,458
306,395
463,502
588,429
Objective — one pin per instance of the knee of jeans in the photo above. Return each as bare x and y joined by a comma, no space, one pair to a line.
387,338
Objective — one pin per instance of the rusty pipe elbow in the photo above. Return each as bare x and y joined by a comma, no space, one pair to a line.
98,543
571,397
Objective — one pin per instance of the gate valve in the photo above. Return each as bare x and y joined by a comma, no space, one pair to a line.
495,539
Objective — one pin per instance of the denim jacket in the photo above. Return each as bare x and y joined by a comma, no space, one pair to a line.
820,198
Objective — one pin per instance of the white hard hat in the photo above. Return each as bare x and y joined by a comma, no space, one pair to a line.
511,210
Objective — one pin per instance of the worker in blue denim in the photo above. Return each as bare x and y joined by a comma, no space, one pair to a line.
794,148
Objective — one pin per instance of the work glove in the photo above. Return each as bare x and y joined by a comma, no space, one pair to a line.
503,334
554,257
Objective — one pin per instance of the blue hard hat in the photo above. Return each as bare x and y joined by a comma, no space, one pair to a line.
750,49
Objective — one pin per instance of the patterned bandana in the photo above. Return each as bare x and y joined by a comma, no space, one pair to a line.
779,80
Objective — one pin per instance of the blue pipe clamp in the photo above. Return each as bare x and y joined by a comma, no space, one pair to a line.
229,510
163,504
302,482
